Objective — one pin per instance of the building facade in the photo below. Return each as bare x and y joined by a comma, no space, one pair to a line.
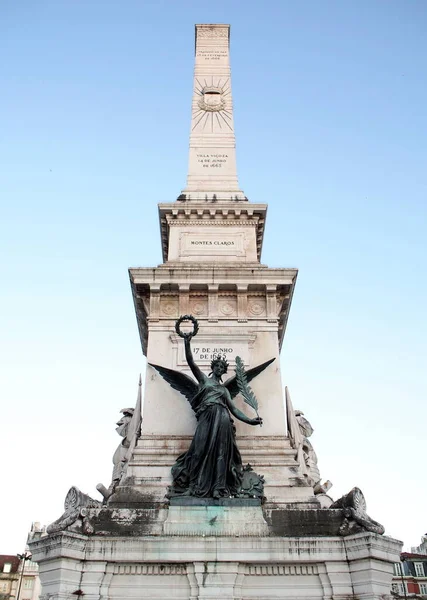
19,580
410,575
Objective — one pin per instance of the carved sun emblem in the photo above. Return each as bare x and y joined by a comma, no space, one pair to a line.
212,110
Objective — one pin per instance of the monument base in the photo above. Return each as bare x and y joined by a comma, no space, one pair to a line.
216,567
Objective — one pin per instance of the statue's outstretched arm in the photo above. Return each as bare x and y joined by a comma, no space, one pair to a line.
241,416
190,360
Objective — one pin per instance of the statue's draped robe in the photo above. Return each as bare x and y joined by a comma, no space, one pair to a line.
213,462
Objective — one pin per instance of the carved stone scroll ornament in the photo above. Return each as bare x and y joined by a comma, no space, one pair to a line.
75,505
353,506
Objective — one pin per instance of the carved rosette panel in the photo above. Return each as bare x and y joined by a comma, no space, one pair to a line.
256,306
227,306
199,306
169,306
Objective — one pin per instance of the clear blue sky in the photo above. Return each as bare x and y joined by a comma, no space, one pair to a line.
330,112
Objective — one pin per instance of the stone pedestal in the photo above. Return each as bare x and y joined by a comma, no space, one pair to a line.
230,567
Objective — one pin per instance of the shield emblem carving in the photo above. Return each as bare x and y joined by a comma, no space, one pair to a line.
211,99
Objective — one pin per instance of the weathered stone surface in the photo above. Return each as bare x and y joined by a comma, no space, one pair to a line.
192,501
130,495
304,523
124,522
215,520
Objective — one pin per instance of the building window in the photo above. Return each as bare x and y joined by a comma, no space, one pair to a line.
7,567
419,569
397,569
28,583
423,589
4,587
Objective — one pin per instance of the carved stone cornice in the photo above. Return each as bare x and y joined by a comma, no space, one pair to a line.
212,223
267,550
256,294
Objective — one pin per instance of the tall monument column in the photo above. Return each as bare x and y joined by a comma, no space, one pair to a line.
215,490
212,241
212,164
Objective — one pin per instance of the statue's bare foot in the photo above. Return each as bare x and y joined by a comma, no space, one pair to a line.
187,493
216,495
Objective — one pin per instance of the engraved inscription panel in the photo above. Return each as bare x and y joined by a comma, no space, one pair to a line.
204,350
206,346
208,244
212,54
212,160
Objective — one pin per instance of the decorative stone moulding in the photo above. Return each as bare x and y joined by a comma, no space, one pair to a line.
257,294
150,569
213,31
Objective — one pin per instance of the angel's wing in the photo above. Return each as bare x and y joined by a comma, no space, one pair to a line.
179,381
231,383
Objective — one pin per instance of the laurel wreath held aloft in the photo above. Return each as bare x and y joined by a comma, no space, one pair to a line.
242,384
190,318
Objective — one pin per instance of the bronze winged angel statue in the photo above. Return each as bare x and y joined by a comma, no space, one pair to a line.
212,466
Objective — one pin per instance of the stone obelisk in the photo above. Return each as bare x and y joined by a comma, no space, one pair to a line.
212,164
298,543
